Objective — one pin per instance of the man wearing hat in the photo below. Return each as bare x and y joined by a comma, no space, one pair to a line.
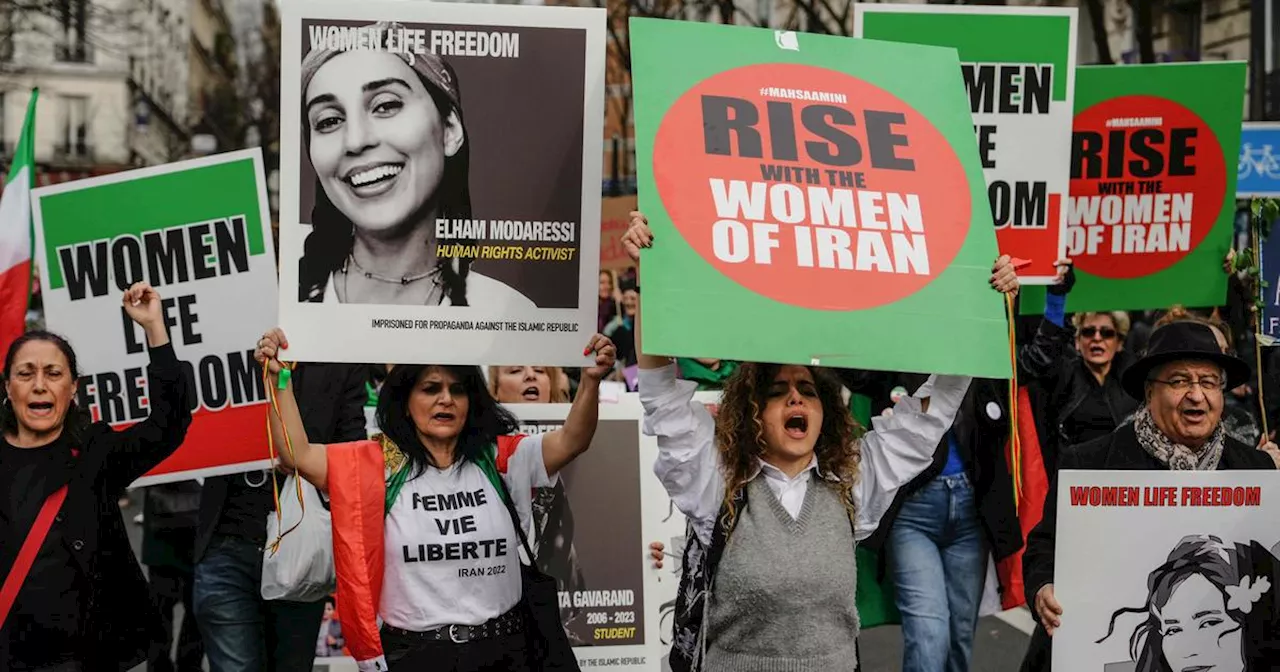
1181,380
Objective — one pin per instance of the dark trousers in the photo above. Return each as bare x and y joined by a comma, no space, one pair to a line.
241,631
170,587
498,654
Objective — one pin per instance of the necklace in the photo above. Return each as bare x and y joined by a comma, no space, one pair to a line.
403,280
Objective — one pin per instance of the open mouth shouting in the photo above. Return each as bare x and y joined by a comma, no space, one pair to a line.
40,409
1194,416
445,418
796,425
531,393
1097,350
373,179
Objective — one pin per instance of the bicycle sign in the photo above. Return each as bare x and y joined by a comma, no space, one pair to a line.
1258,170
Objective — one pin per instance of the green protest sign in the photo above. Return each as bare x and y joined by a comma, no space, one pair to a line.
1018,65
1152,203
814,199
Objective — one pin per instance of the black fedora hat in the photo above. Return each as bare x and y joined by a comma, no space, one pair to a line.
1181,341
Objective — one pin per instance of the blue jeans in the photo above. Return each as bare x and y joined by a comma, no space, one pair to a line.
241,631
937,557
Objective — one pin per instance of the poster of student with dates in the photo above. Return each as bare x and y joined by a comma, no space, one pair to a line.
1018,66
828,190
1197,589
1152,203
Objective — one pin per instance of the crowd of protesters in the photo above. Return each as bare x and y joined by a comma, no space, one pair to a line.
926,484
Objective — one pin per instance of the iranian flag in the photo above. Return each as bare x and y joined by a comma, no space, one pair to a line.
15,233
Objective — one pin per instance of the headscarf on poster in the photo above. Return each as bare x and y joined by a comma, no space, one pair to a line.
419,216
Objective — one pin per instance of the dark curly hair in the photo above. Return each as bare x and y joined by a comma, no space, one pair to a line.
486,419
740,431
77,419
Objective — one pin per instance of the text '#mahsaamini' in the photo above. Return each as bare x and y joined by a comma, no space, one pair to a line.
478,43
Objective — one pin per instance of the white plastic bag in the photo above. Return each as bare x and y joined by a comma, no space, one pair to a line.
301,569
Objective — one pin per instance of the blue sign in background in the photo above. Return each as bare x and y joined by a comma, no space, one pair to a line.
1271,293
1258,171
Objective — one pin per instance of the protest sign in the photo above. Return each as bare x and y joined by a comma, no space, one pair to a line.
828,191
1197,588
1150,216
615,220
1269,271
451,213
1258,170
1018,65
199,232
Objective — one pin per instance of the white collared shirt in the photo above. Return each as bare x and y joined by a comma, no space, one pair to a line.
790,490
897,449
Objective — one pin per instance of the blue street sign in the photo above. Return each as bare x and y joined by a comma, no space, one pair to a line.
1258,172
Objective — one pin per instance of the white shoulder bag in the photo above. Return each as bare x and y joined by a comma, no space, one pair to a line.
299,566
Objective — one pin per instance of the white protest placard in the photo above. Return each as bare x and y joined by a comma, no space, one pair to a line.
200,233
440,172
1168,570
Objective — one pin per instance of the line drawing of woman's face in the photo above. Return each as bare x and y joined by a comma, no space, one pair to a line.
378,142
1197,633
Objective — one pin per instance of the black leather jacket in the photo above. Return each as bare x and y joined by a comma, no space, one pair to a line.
1058,382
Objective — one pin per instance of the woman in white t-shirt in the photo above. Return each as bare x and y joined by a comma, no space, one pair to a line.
442,569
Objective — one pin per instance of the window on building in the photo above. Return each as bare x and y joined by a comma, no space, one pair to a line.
73,45
74,126
6,33
4,135
1183,21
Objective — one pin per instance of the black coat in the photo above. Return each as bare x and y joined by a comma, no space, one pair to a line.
1058,381
119,622
1117,451
331,400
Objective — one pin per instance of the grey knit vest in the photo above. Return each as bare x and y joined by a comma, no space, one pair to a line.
784,598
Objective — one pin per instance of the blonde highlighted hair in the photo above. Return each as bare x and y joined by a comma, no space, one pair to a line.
1119,318
559,382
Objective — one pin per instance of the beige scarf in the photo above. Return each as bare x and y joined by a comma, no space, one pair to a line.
1175,455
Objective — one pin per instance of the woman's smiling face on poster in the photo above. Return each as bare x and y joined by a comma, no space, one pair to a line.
1197,634
378,142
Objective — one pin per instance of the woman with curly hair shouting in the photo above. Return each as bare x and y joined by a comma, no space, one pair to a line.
778,489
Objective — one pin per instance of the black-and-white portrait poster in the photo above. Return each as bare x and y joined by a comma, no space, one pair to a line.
440,181
1164,571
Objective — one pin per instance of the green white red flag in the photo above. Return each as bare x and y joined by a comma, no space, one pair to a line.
15,233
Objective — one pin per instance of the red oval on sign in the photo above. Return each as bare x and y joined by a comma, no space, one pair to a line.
811,187
1148,183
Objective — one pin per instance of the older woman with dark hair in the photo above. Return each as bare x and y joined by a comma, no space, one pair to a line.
385,134
430,517
74,598
1210,606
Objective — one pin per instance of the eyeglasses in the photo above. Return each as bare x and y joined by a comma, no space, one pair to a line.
1090,332
1181,384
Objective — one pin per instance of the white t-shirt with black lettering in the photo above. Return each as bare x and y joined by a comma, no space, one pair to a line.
452,555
